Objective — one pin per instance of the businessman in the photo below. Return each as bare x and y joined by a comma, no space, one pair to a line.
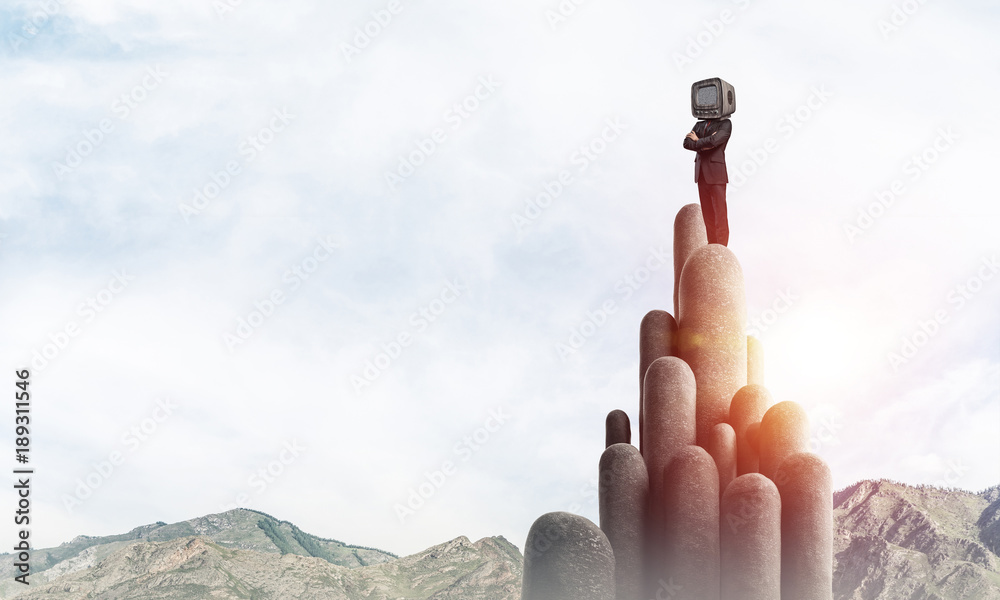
708,139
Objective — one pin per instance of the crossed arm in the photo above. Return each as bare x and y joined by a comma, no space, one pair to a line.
693,142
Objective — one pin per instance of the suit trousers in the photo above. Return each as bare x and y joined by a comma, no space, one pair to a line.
713,208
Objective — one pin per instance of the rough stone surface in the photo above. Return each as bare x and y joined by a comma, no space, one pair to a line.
722,447
753,441
669,401
748,408
784,431
691,514
623,497
755,361
803,480
657,334
750,530
567,557
689,235
617,429
896,541
711,335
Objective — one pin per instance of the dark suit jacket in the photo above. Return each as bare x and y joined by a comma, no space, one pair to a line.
710,160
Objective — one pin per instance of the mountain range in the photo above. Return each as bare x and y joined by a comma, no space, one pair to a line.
891,542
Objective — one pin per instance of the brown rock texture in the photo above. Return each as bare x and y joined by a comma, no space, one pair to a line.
197,568
893,542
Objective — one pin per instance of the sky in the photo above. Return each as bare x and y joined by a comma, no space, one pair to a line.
377,268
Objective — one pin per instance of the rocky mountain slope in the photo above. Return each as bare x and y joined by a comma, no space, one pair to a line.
240,529
892,542
197,568
896,542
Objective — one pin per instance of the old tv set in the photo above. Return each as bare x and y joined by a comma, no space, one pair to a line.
712,99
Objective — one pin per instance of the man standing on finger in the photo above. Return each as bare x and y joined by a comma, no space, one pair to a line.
713,100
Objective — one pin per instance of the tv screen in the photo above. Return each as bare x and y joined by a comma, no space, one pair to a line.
708,96
712,99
